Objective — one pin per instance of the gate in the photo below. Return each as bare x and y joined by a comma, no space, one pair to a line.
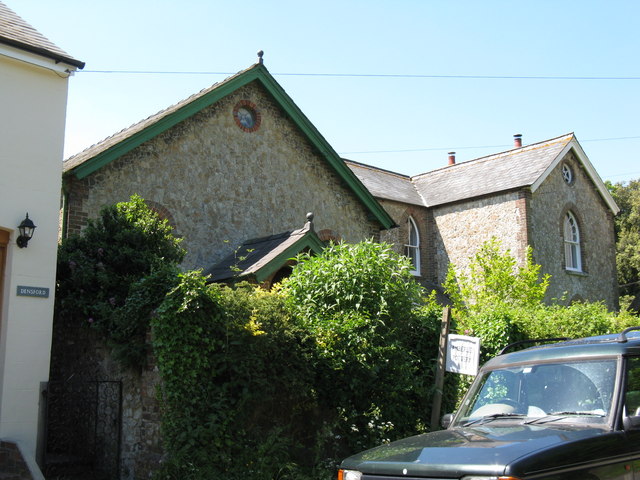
83,424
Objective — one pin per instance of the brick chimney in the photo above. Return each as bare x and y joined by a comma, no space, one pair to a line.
517,140
452,158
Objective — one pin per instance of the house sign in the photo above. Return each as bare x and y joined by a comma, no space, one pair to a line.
41,292
463,354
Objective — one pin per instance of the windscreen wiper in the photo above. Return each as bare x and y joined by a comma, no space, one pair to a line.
494,416
555,416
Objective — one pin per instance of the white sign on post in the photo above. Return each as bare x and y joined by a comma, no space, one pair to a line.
463,354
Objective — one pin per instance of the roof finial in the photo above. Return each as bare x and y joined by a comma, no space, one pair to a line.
260,54
309,224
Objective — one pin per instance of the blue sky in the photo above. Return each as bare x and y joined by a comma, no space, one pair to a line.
403,95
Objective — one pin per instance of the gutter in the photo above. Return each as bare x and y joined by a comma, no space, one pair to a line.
43,52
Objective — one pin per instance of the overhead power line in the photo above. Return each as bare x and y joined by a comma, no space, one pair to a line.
371,75
435,149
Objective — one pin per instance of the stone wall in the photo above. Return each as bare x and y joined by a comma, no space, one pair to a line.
548,208
78,355
221,184
464,226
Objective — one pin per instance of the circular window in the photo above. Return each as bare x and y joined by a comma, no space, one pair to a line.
247,116
567,174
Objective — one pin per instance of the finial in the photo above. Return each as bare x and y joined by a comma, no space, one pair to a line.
260,54
309,224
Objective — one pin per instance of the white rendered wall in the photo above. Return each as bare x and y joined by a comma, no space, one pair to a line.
32,120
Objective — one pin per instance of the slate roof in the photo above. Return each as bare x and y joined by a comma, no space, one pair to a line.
14,31
517,168
256,254
386,184
500,172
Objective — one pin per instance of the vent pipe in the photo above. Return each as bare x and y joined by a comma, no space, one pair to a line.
452,158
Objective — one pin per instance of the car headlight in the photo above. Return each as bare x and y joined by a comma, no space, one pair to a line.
349,475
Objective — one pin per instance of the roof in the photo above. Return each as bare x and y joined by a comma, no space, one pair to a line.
15,32
113,147
386,184
261,257
521,167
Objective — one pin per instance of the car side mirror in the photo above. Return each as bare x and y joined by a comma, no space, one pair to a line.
631,423
446,420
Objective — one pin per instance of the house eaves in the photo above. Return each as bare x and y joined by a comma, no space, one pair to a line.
18,34
101,154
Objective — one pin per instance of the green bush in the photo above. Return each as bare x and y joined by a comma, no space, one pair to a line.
376,342
261,385
115,273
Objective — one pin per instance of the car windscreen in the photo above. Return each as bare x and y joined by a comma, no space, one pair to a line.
563,391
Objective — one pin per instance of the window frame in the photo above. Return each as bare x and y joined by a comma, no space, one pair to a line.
572,243
409,248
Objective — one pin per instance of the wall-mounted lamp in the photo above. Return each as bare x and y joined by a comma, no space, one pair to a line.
26,229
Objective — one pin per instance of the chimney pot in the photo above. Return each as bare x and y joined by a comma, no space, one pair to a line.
452,158
517,140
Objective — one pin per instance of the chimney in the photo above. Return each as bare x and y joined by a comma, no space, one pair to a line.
452,158
517,140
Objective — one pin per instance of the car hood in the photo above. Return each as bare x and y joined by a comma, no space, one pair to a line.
481,450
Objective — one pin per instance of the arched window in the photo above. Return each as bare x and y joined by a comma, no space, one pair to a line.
572,254
412,247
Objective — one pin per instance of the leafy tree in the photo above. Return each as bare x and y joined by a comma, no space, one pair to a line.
627,224
494,279
114,274
375,341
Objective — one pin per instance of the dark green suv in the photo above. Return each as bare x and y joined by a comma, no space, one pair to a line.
569,410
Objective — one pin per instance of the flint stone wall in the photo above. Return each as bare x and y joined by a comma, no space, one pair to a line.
463,227
220,185
548,208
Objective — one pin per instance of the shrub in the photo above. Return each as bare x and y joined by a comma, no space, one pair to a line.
113,275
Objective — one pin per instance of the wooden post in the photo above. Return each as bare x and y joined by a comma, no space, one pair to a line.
440,367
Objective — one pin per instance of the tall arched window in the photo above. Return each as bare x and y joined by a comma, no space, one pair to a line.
572,254
412,247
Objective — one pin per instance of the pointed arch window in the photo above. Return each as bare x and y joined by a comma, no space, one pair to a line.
412,247
572,253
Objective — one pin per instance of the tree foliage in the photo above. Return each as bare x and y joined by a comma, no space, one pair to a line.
627,223
115,273
494,279
284,384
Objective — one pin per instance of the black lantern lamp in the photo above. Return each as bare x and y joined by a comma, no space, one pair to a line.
26,229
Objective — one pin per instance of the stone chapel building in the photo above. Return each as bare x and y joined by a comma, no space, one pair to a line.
237,168
237,163
546,195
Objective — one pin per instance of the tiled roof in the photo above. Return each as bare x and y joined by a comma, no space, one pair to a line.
495,173
386,184
256,254
504,171
14,31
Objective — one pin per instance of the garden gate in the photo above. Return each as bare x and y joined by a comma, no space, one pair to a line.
83,429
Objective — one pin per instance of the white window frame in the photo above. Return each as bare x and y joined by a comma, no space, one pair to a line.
412,248
572,250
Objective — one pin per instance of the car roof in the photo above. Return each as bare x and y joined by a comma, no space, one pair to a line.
625,343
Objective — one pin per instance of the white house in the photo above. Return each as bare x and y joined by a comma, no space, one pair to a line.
34,77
